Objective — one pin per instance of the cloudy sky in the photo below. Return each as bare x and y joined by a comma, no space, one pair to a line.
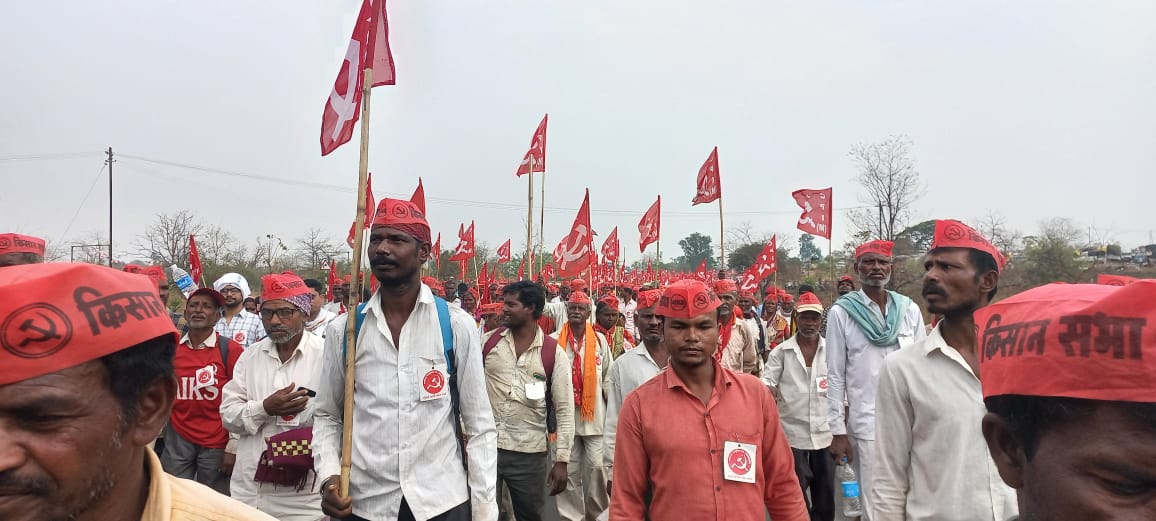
1031,109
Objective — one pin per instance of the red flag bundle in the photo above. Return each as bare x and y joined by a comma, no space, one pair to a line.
504,252
368,49
197,271
465,248
765,264
535,158
369,208
648,227
484,283
332,281
816,217
709,185
610,247
418,197
576,252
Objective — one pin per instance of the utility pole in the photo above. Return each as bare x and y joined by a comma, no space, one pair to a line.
110,161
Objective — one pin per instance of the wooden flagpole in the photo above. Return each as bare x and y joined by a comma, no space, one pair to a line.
530,216
355,288
541,220
721,237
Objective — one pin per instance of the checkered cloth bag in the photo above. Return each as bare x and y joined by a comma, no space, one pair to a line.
288,459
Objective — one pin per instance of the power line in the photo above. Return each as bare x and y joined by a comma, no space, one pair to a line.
85,200
449,201
43,157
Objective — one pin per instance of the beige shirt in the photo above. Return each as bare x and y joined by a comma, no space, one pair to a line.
741,354
512,379
602,365
931,460
802,393
174,499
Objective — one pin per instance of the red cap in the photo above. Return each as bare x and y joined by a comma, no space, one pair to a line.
610,300
846,278
1071,340
725,286
17,243
687,298
56,316
579,297
747,294
283,286
1115,280
404,216
786,297
432,282
490,309
809,302
648,298
881,247
950,233
212,293
578,285
156,273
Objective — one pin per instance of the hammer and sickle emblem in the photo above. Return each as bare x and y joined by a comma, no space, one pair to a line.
45,334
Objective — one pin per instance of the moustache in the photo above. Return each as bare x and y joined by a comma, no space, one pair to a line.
932,289
12,485
382,261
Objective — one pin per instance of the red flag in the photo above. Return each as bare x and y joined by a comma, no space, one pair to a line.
1115,280
437,253
504,252
576,252
700,271
535,158
332,281
369,209
522,269
465,248
648,227
610,247
483,283
368,48
649,270
548,272
709,185
418,197
198,272
765,264
816,205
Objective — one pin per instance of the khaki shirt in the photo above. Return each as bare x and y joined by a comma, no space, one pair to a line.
521,421
175,499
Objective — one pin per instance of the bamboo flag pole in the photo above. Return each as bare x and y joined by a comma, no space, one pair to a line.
530,217
355,288
542,221
721,239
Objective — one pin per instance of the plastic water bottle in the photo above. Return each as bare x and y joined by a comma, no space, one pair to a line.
852,504
183,280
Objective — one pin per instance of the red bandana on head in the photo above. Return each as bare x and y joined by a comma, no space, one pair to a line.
881,247
404,216
56,316
282,286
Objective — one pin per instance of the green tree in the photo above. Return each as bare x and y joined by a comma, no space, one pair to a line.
741,258
695,248
808,251
1052,255
916,239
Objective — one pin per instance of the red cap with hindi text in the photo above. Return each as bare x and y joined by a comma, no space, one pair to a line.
950,233
580,297
687,298
282,286
725,286
404,216
1071,340
17,243
56,316
878,246
156,273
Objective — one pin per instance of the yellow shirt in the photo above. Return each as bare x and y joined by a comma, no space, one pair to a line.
175,499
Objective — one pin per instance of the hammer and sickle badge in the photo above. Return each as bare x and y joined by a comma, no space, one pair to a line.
5,243
953,232
35,331
400,211
701,301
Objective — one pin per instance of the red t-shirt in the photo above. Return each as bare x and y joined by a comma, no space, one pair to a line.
197,409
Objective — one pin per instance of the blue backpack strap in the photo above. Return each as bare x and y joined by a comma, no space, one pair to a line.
443,309
360,319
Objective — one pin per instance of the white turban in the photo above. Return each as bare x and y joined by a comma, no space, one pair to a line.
235,280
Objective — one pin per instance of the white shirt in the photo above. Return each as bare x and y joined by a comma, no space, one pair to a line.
602,364
931,460
403,446
853,364
629,371
627,309
803,407
317,326
258,374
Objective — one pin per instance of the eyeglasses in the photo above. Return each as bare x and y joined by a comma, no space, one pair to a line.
282,313
230,290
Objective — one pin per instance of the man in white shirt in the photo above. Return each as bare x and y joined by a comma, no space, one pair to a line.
407,456
796,372
585,495
754,322
931,460
738,343
863,327
628,306
236,323
320,317
631,370
269,395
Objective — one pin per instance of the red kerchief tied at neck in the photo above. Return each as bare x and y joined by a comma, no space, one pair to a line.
56,316
687,298
1071,340
404,216
17,243
881,247
579,297
648,298
725,286
950,233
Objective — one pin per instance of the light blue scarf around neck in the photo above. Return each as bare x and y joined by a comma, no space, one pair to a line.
858,306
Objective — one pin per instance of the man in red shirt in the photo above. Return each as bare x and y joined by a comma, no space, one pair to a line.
714,448
195,439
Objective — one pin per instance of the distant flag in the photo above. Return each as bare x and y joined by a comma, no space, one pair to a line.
650,225
369,209
437,253
465,248
198,271
522,270
765,264
816,217
700,271
368,48
709,185
610,247
504,252
576,251
418,197
332,280
535,158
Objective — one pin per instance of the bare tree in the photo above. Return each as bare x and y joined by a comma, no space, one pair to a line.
218,246
994,227
313,248
166,241
887,173
91,248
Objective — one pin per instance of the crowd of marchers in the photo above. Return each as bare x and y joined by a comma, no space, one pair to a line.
687,400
